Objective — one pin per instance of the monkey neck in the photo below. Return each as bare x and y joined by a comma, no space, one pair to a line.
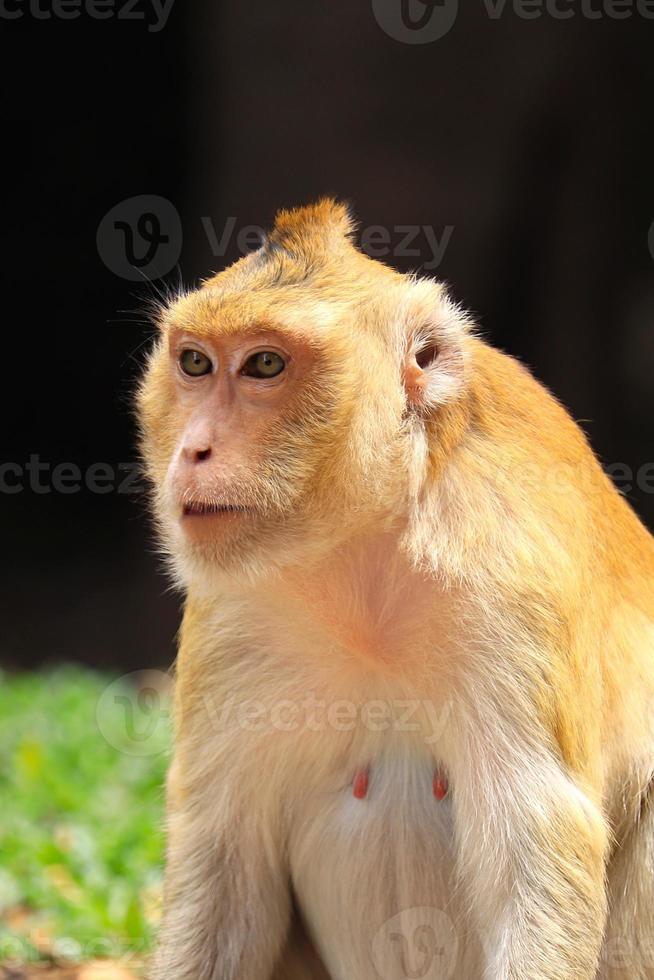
364,595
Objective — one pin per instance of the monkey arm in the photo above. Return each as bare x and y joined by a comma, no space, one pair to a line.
227,897
226,891
227,902
532,851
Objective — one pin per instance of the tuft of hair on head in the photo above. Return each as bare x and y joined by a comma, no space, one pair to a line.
326,225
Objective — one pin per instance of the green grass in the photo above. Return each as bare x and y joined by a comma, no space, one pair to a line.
81,843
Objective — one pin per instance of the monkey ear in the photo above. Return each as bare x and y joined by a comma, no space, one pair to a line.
434,359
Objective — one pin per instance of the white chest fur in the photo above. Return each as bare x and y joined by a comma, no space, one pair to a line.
376,875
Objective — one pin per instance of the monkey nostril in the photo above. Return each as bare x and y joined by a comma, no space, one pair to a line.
202,454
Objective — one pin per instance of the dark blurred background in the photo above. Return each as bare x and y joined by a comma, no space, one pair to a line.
510,156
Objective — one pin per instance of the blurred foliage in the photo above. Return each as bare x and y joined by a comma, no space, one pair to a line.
81,822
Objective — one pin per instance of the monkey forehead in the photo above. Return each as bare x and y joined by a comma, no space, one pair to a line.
327,303
215,312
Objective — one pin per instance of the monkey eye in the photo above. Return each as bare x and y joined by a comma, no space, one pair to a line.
265,364
194,363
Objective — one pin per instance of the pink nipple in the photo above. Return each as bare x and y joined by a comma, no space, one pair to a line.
440,786
360,784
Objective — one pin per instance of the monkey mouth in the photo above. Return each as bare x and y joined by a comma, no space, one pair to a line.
199,508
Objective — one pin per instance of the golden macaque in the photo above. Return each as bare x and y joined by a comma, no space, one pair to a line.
414,692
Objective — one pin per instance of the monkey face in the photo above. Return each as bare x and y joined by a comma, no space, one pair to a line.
241,463
257,440
248,434
280,408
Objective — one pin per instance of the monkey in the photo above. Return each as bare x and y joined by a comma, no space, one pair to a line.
415,680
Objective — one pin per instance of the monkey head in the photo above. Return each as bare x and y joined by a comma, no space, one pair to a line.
287,402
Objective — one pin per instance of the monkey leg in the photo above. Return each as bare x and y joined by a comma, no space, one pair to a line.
628,952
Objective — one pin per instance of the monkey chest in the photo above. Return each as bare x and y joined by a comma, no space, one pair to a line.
373,872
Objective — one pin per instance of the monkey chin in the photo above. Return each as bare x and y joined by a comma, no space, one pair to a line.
206,524
213,552
220,537
208,551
